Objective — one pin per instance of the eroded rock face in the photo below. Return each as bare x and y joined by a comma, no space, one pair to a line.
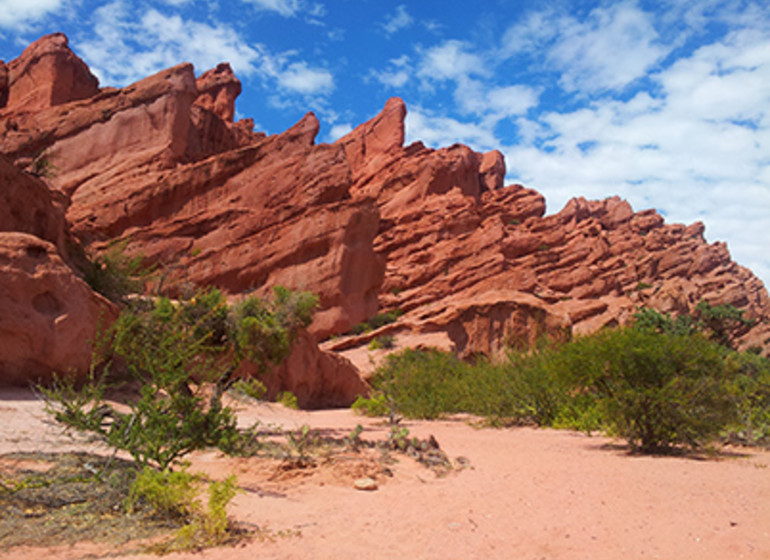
48,73
317,378
48,314
365,222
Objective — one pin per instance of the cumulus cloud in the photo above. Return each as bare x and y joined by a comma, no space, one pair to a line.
438,131
126,46
613,46
15,14
695,146
397,21
450,60
300,78
397,73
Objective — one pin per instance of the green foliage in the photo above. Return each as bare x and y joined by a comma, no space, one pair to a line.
656,390
175,495
173,350
252,388
288,399
379,320
384,341
115,274
43,166
376,405
421,383
658,385
749,386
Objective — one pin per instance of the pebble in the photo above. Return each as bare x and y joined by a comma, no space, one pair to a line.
365,484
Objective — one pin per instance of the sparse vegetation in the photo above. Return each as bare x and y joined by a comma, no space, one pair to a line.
379,320
183,357
660,384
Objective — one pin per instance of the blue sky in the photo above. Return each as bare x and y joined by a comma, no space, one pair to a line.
665,103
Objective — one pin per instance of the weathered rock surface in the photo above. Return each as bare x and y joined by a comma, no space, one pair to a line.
318,379
365,222
48,73
48,314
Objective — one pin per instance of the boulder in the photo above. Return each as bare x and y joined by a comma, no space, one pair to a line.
48,315
318,379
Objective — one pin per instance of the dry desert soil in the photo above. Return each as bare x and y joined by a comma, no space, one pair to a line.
516,493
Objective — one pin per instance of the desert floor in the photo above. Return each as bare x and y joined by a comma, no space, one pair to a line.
522,493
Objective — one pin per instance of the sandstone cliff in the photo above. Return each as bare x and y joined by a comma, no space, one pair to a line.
366,222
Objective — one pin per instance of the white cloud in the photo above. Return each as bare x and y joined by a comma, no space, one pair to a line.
437,131
397,75
450,61
696,150
398,21
300,78
613,46
127,46
286,8
15,14
339,130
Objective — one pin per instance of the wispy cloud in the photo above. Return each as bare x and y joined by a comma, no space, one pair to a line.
286,8
397,21
17,14
451,60
126,45
607,50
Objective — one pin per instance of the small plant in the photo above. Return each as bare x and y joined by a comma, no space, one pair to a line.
252,388
114,274
354,437
175,495
376,405
642,286
381,342
288,399
43,166
173,351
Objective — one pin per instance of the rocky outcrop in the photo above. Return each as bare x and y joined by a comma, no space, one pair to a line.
317,378
48,73
366,222
48,315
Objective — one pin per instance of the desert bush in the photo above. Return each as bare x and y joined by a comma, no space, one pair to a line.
656,390
288,399
749,386
421,383
376,405
175,495
175,352
114,274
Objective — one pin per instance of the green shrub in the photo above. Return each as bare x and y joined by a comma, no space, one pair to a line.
384,341
252,388
656,390
114,274
173,351
376,405
421,383
175,496
749,386
288,399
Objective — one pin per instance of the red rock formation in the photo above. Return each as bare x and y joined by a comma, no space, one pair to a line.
48,73
48,315
318,379
363,222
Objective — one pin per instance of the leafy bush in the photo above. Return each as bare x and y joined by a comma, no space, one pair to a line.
376,405
385,341
115,274
288,399
656,390
175,495
174,351
379,320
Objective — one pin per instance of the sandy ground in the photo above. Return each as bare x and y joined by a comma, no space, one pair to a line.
526,494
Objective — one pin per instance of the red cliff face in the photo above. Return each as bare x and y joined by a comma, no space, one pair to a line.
366,222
